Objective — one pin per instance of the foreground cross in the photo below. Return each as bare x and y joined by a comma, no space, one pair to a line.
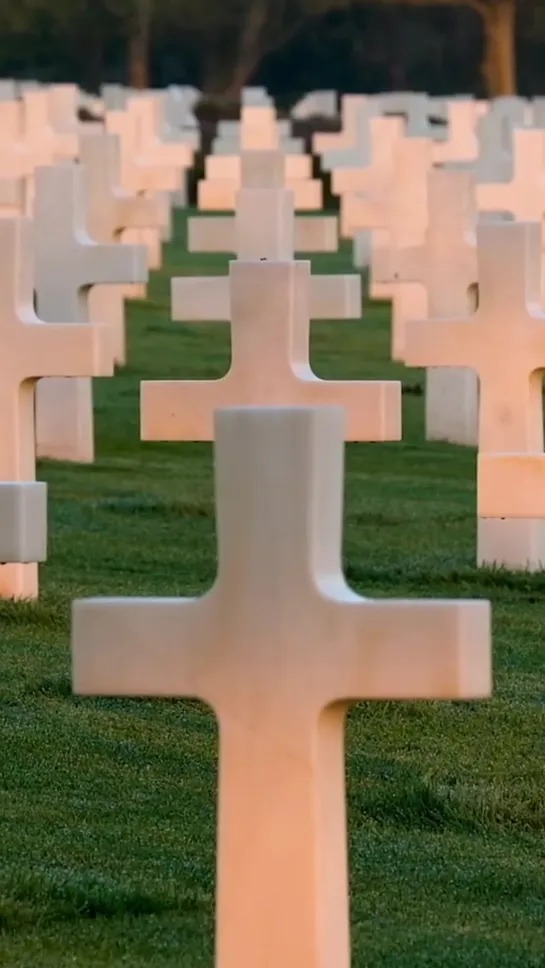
504,342
32,349
278,648
446,265
68,263
270,307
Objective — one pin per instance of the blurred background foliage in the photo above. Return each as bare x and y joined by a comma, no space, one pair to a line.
481,47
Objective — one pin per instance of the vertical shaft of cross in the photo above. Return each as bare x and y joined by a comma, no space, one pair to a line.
291,785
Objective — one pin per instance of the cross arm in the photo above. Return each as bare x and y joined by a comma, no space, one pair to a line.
76,349
174,154
12,192
138,212
316,234
156,178
373,407
409,265
358,212
398,649
350,180
441,342
201,298
335,297
494,196
138,647
214,234
182,409
115,263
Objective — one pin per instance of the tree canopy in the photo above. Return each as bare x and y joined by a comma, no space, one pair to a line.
223,45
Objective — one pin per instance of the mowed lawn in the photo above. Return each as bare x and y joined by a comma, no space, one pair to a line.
107,808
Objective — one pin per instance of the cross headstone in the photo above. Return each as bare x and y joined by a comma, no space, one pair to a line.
462,142
279,649
345,139
63,116
277,234
68,263
110,210
495,133
141,175
445,264
270,305
359,151
19,155
399,220
258,129
523,196
224,178
375,177
162,142
149,118
504,342
31,350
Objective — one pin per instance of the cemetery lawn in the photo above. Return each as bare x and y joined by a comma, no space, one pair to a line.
107,808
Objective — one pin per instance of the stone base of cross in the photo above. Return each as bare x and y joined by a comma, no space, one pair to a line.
23,537
517,544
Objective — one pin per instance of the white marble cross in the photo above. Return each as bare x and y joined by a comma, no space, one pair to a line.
279,649
63,103
445,264
399,220
462,142
523,196
31,349
141,174
270,305
373,181
218,191
504,342
277,233
110,210
68,263
148,111
325,141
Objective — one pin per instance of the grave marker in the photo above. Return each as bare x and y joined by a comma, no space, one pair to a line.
32,349
68,263
141,175
270,307
504,342
445,264
399,220
523,196
277,234
279,649
110,210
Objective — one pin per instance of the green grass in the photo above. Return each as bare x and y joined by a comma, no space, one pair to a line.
107,808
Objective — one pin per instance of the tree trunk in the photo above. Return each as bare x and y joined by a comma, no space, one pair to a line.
249,53
499,62
139,46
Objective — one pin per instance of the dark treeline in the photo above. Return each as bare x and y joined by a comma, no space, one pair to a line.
291,46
